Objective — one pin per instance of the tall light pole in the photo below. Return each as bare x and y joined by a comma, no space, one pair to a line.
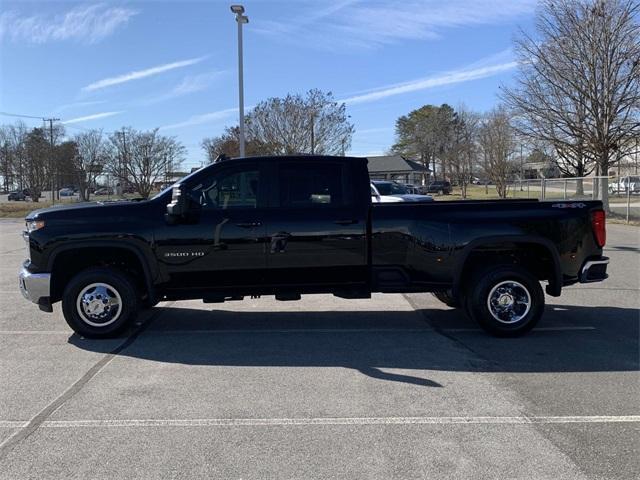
240,19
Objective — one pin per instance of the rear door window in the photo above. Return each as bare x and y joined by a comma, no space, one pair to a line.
309,184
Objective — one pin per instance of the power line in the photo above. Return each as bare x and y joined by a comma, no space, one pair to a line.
77,127
19,115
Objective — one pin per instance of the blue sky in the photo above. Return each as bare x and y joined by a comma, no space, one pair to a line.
173,64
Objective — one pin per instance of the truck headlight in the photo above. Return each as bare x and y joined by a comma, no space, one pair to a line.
33,225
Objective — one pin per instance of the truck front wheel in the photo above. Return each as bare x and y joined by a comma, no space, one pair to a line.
506,301
99,303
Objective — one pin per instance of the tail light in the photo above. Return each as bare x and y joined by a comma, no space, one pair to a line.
599,228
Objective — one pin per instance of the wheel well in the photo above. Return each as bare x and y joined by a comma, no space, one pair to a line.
533,257
71,262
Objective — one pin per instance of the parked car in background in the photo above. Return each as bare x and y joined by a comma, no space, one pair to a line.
377,198
18,195
439,186
66,192
395,189
626,184
104,191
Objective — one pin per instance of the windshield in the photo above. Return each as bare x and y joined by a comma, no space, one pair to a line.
165,190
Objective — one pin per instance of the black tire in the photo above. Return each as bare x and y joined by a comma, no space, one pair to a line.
447,298
100,286
515,285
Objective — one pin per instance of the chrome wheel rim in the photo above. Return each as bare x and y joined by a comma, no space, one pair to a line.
99,304
509,302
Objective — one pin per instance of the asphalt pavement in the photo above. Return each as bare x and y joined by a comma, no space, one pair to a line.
398,386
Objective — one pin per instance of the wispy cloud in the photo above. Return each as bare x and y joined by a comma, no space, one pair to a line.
203,118
195,83
95,116
465,74
139,74
371,24
189,84
86,23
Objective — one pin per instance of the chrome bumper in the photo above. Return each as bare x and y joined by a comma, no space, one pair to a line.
594,270
34,286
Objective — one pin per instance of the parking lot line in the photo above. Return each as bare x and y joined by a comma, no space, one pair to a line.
13,424
354,330
289,330
35,332
538,329
255,422
300,330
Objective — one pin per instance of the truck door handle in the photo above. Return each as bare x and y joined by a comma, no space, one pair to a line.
346,222
248,224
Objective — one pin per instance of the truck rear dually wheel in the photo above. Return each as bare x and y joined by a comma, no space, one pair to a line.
506,301
99,302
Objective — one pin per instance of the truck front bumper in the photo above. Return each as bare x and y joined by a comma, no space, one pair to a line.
36,287
594,270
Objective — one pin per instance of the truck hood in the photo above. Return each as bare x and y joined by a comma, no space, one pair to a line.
82,209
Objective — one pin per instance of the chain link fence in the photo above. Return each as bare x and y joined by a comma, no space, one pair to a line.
622,193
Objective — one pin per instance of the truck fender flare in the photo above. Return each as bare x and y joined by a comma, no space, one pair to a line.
148,279
555,283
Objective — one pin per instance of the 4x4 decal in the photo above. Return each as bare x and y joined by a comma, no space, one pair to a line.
569,205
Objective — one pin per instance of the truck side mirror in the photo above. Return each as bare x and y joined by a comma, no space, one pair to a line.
182,208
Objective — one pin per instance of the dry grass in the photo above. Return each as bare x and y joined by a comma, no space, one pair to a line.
477,192
20,209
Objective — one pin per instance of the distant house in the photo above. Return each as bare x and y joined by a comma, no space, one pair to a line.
396,167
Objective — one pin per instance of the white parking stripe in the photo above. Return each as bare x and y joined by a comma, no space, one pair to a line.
255,422
35,332
290,330
298,330
538,329
12,424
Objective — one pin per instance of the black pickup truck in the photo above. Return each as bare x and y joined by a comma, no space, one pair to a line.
288,226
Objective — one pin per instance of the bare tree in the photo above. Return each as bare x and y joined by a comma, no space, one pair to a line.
314,123
141,159
497,144
7,157
579,81
89,160
14,154
229,144
463,150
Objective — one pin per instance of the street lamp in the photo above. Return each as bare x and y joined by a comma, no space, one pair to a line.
240,19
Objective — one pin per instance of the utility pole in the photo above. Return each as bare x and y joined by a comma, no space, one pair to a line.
51,162
241,19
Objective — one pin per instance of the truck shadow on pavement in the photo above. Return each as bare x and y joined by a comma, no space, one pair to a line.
372,342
